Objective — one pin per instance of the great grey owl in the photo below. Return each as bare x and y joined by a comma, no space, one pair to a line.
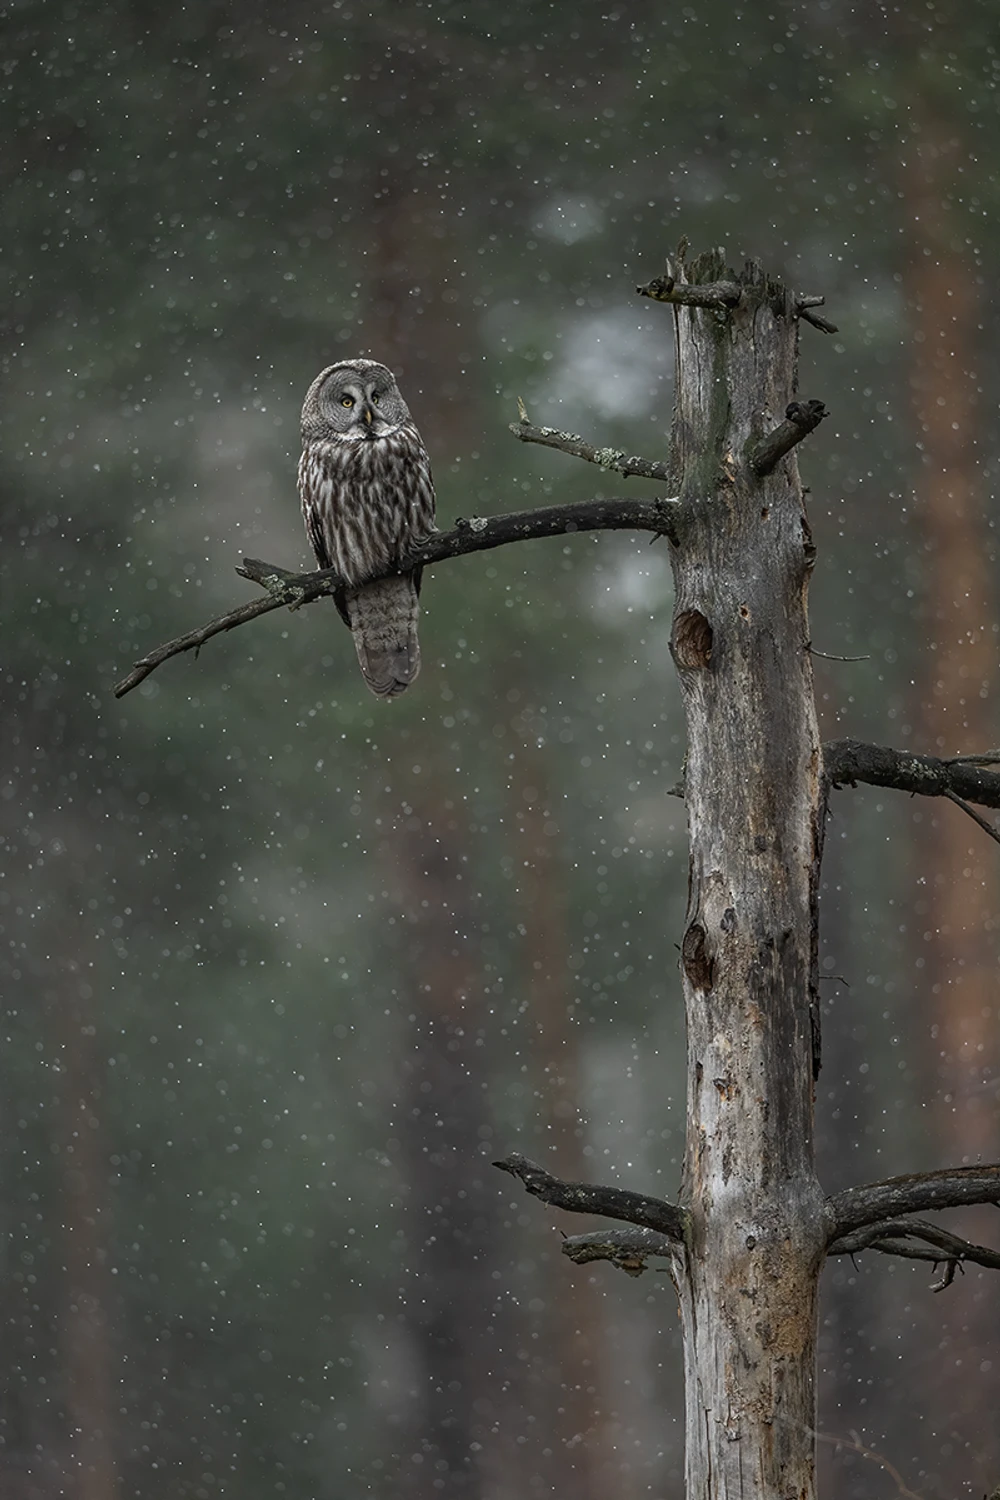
368,500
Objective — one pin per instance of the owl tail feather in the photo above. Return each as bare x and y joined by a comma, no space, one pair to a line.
383,619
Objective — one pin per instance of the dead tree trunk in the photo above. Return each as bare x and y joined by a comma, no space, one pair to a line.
747,1278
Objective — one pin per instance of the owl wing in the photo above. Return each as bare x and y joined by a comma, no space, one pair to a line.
315,486
419,494
314,531
420,487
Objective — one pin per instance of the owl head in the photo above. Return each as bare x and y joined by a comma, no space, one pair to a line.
356,399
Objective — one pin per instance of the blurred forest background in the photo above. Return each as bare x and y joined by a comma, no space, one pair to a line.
283,967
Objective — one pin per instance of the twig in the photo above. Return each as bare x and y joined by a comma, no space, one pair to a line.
990,758
627,1249
984,825
846,762
805,312
481,534
947,1276
611,459
801,418
193,641
828,656
953,1187
586,1198
856,1446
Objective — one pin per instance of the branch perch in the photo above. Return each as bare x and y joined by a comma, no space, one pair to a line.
286,589
584,1198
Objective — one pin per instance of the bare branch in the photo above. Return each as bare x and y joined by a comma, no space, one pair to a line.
932,1244
869,1234
953,1187
890,1236
584,1198
801,418
481,534
718,294
611,459
906,1250
625,1248
846,762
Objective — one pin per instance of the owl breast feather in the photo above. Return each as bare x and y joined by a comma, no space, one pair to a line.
366,503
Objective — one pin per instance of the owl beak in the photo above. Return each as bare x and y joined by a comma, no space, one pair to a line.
368,414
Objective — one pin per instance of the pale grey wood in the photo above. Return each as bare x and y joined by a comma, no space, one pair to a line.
741,551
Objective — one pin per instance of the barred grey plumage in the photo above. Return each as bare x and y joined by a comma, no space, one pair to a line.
368,500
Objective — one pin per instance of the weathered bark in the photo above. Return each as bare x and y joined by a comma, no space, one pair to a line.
747,1278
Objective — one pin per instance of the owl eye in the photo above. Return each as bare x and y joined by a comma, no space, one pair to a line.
374,399
347,400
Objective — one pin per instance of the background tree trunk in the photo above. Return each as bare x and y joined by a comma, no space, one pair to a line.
957,705
748,1279
86,1333
451,1310
571,1370
960,668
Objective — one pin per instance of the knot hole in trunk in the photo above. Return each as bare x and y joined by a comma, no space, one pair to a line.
697,960
692,641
